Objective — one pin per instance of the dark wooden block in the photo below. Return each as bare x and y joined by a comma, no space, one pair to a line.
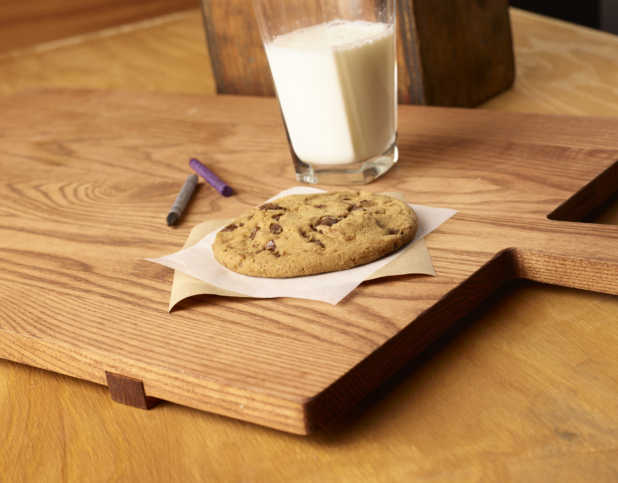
455,53
129,391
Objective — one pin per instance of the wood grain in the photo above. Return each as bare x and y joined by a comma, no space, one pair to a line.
288,364
561,69
531,372
516,393
29,23
238,58
166,54
455,53
448,53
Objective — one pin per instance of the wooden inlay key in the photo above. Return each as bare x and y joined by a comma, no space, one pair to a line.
129,391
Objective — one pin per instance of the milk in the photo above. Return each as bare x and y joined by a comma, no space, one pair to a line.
336,87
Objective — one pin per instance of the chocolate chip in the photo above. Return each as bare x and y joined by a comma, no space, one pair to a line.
276,217
319,206
302,233
392,231
231,227
271,206
271,246
366,203
277,255
317,242
259,251
253,232
276,229
328,220
242,224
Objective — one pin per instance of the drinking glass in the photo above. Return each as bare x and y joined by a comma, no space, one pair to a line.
333,63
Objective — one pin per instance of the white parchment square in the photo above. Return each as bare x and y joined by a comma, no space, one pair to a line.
199,262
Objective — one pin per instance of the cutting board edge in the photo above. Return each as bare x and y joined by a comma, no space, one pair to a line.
244,404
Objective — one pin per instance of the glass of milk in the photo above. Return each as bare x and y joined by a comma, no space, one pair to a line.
333,63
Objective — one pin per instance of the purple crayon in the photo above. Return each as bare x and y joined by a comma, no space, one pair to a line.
211,178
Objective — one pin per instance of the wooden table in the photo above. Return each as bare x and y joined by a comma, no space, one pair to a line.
462,411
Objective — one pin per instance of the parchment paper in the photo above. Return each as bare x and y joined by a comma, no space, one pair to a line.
197,272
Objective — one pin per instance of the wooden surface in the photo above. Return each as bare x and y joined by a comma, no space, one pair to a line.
110,158
28,23
460,414
552,419
456,54
166,54
561,69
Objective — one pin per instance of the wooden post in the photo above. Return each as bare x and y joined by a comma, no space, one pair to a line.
454,53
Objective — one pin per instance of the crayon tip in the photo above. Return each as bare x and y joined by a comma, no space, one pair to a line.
172,219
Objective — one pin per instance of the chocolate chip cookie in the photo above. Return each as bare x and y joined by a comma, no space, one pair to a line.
309,234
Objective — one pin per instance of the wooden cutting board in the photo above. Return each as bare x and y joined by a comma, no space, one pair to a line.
88,178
